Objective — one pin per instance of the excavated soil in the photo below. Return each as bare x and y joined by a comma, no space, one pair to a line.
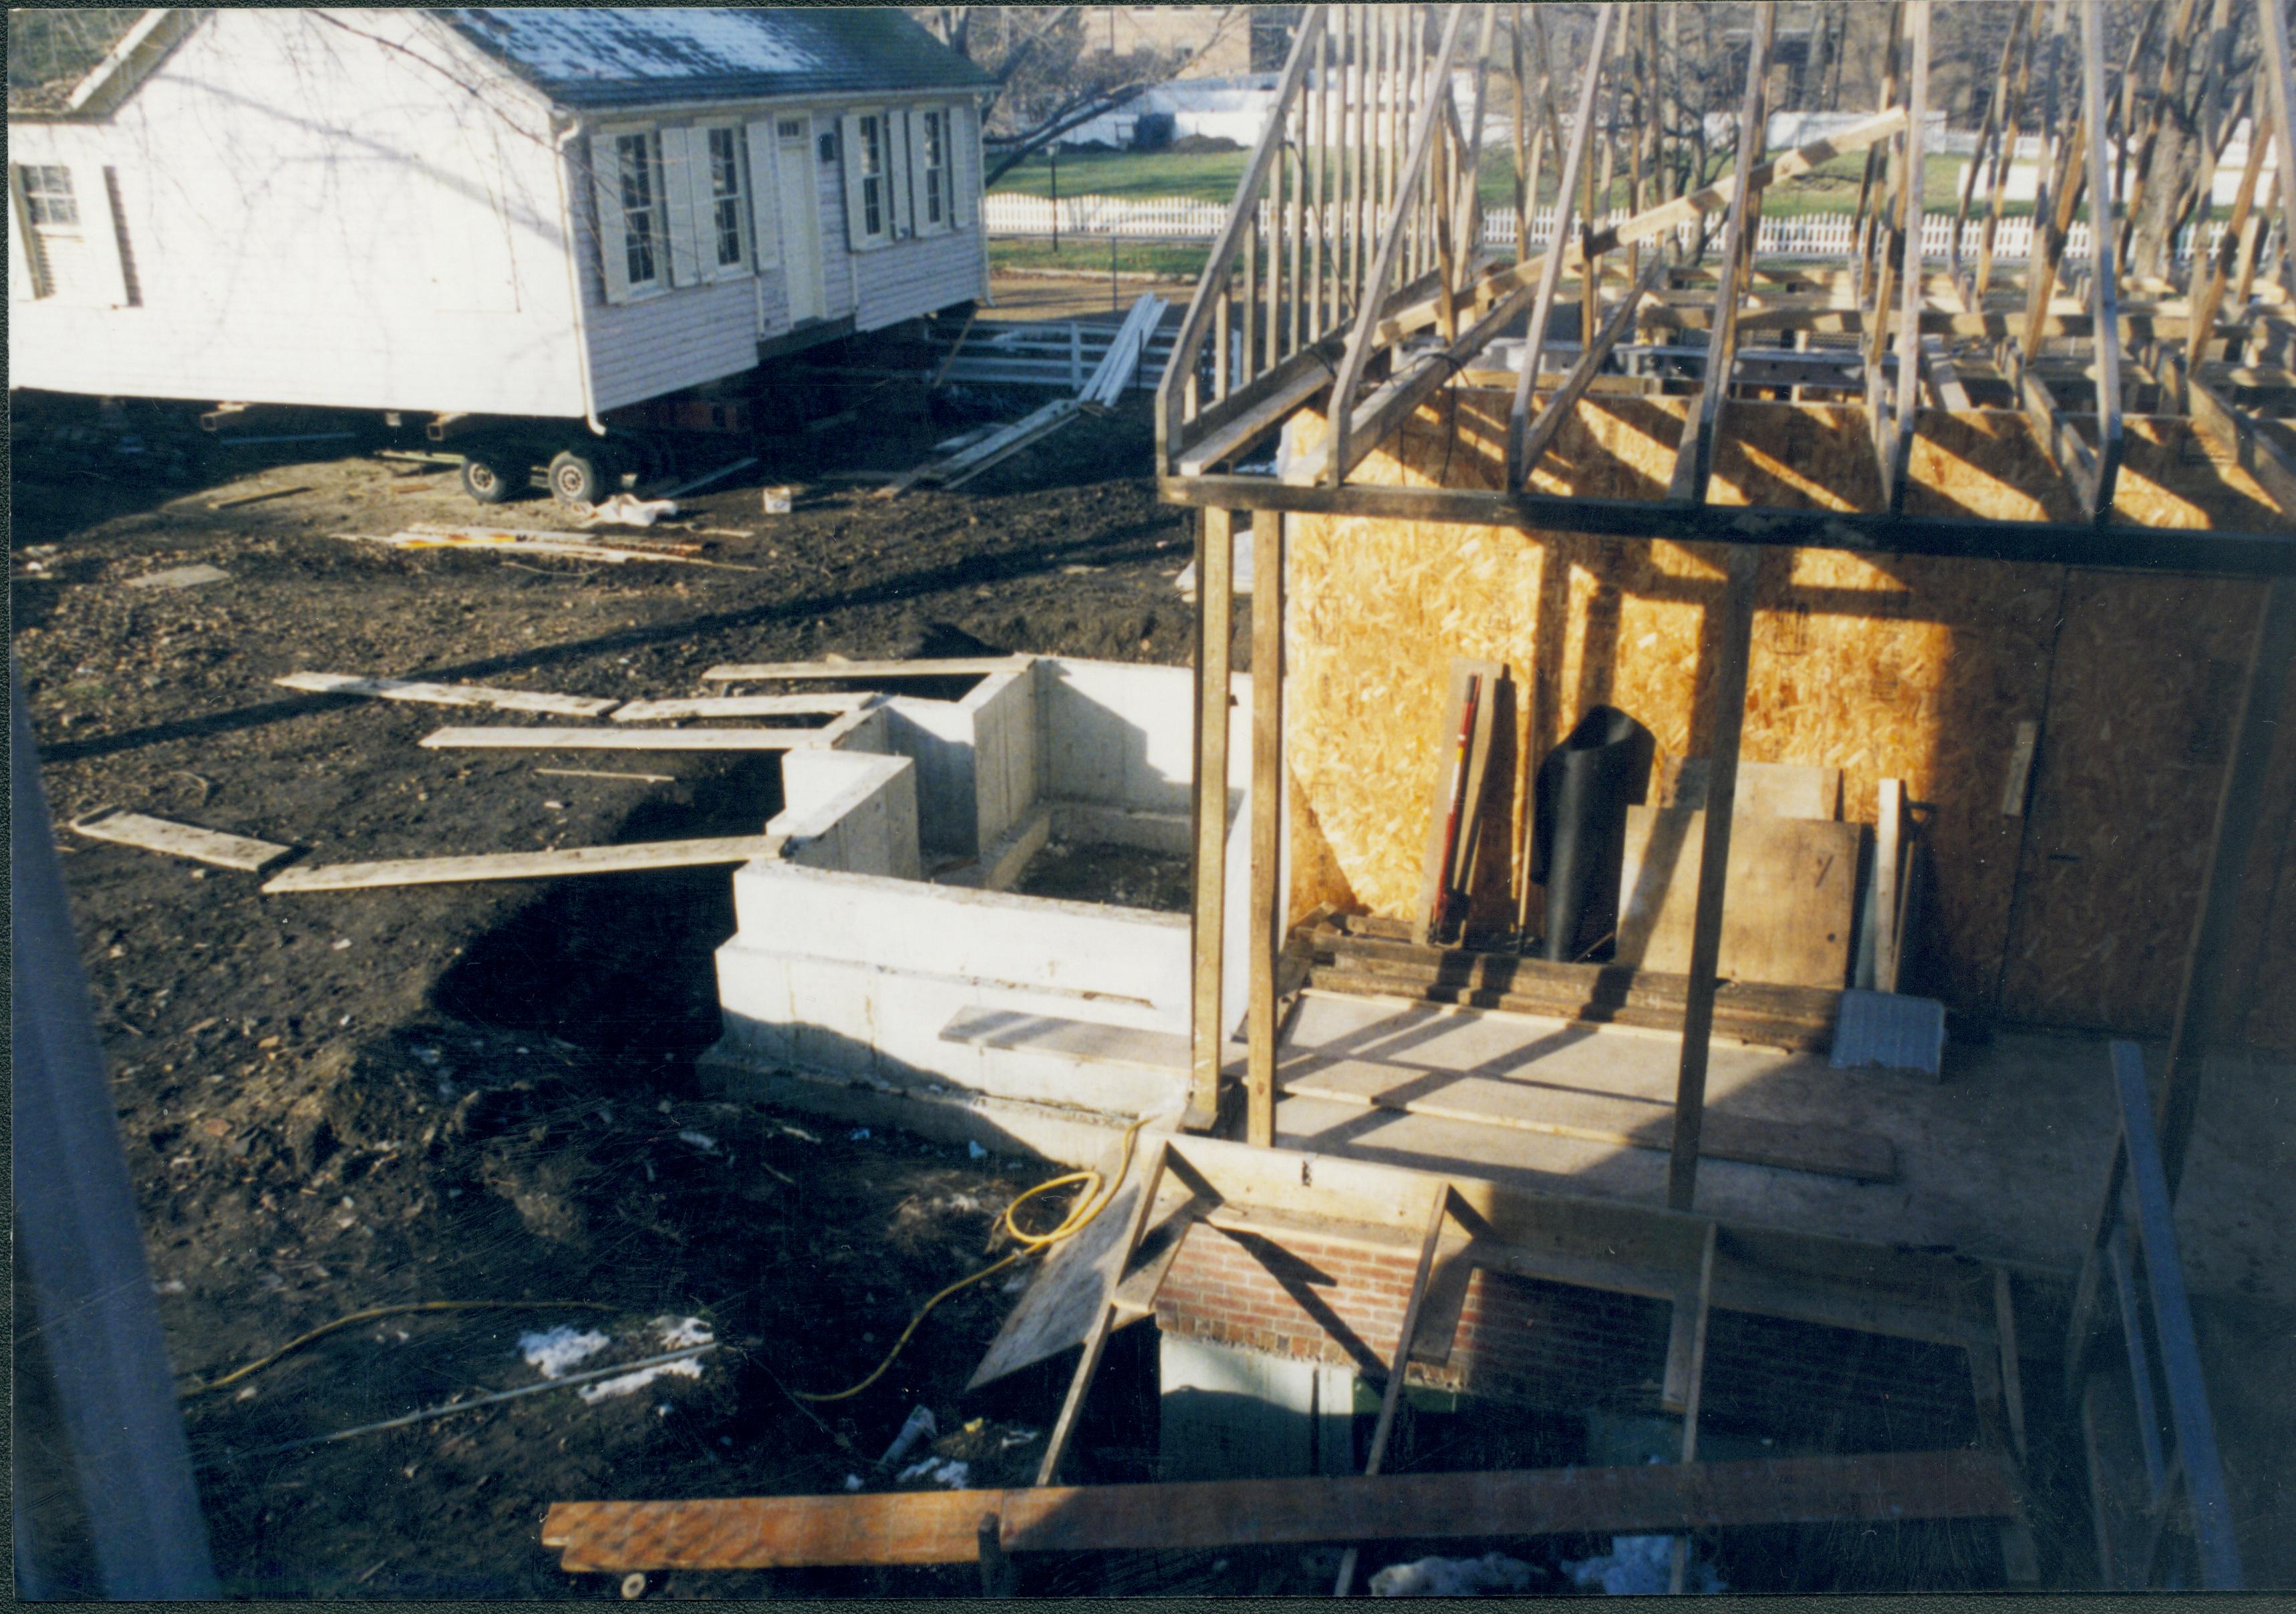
338,1102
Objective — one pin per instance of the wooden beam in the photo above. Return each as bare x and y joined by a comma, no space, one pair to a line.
798,672
1214,635
1732,629
1241,224
2220,552
1550,275
1391,244
526,865
1269,892
1888,862
1694,1382
191,840
631,740
1893,425
2103,305
1693,460
1056,1445
1390,1396
943,1526
449,694
682,709
2271,25
2236,436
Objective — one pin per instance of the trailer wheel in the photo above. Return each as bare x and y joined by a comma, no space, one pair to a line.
492,477
581,478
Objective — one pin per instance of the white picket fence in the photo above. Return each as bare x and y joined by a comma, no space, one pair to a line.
1186,218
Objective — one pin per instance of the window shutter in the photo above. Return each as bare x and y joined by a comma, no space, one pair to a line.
919,158
848,149
23,275
964,168
903,222
604,181
683,152
765,196
108,287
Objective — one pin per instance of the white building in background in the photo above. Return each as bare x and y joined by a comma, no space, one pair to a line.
514,212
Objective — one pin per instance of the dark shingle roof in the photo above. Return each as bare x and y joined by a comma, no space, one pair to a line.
621,58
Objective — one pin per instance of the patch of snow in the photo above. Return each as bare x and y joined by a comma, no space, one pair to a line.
942,1470
606,1390
1494,1573
1641,1566
623,45
700,1140
679,1332
561,1348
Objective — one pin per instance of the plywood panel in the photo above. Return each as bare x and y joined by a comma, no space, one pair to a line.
1786,906
1881,668
2132,755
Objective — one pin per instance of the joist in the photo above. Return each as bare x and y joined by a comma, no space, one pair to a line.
943,1526
225,851
633,739
1600,1118
795,672
833,703
450,694
526,865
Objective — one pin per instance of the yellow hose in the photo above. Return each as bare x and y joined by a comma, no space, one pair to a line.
1088,1205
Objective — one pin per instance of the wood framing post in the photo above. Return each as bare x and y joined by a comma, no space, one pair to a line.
2272,23
1390,1396
1056,1446
1269,896
1694,1373
2104,308
1214,635
1733,640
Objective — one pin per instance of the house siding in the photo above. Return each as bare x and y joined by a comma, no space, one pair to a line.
312,217
687,336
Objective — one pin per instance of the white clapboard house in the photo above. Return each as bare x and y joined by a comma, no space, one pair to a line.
478,212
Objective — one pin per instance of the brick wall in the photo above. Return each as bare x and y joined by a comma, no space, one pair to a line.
1563,1349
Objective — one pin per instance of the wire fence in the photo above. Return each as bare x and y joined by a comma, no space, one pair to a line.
1187,219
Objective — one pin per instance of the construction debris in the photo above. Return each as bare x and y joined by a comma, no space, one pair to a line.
256,498
628,510
535,543
954,667
450,694
1117,368
180,839
1492,1574
708,478
739,706
637,740
958,468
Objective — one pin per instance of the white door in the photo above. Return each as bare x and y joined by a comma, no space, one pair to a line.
800,217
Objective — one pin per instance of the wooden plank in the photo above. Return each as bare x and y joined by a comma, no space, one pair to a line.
628,740
256,498
1390,1396
1215,633
226,851
1766,789
2020,785
1268,891
1597,1117
1791,896
1731,636
795,672
1694,1384
1229,440
1078,1279
833,703
1562,404
1889,864
2237,435
2012,1378
526,865
450,694
1056,1446
942,1527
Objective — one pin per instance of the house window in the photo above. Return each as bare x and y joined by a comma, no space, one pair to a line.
936,166
872,174
727,202
791,129
639,164
48,198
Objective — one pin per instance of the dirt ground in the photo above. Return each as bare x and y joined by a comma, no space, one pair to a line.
338,1102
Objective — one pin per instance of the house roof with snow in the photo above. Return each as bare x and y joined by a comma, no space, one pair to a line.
609,58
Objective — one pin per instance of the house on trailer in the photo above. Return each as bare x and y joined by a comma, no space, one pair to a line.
522,221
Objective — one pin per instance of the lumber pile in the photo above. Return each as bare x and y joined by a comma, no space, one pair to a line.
1376,957
1121,362
956,470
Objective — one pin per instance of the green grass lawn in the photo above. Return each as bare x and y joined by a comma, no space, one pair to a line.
1089,255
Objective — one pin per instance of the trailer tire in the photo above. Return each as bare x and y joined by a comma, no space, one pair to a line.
581,477
492,477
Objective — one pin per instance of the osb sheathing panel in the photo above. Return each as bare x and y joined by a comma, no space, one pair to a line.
1884,668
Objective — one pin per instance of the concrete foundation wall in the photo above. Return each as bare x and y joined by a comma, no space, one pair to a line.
849,970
